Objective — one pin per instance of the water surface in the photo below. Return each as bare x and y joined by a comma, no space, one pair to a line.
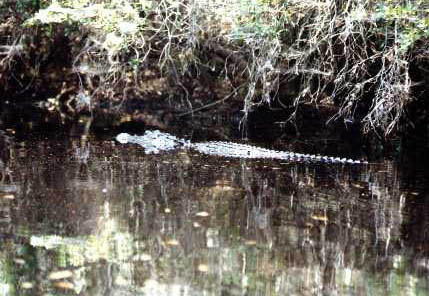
94,217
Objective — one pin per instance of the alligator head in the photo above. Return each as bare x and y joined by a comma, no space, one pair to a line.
152,141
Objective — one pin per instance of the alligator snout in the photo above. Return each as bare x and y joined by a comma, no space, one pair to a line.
123,138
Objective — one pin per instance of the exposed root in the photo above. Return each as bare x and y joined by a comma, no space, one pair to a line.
342,52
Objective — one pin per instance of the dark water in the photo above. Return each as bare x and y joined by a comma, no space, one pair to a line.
93,217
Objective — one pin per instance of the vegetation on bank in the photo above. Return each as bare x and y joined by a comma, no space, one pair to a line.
367,58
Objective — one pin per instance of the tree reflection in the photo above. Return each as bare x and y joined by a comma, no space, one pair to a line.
93,218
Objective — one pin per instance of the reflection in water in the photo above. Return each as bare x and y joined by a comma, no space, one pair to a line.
96,218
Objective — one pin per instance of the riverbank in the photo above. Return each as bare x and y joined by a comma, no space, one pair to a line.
159,62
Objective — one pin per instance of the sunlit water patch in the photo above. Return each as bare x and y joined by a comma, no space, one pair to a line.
98,218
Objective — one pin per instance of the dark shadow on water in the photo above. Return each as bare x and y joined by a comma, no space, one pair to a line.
93,217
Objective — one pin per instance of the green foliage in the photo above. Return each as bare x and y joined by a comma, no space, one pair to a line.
26,6
402,22
259,19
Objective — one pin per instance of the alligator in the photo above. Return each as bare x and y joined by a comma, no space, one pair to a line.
157,141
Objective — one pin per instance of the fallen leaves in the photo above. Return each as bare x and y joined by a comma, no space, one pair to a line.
59,275
202,214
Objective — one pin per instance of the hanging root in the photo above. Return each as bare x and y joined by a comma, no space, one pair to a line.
336,52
